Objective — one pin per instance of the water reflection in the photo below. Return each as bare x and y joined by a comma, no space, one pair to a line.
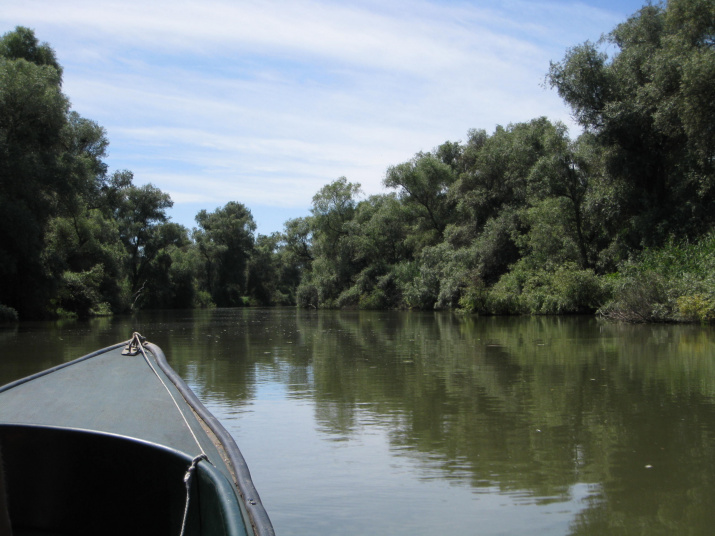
558,425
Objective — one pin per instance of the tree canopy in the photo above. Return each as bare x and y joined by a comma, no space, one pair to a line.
523,219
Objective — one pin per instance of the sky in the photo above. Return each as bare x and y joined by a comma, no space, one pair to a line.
265,102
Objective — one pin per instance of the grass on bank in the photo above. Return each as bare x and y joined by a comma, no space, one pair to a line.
675,283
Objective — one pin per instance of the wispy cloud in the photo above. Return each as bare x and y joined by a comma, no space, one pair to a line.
264,102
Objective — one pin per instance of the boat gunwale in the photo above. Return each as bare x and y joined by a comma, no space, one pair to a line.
251,500
103,433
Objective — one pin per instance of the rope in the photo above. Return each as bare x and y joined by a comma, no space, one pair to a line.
133,348
135,345
187,482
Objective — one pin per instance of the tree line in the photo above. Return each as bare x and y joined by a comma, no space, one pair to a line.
523,219
77,240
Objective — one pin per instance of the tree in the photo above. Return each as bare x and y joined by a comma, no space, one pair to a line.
496,170
333,266
333,207
383,230
650,109
559,184
81,239
380,242
169,279
492,191
82,165
422,184
85,256
296,242
265,282
33,115
140,212
22,44
295,250
225,242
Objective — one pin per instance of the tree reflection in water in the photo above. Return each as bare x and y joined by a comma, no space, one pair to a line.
590,427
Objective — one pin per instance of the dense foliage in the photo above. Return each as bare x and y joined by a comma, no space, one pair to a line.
524,219
77,240
528,220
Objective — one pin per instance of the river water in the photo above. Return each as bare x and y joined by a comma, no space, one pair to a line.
397,423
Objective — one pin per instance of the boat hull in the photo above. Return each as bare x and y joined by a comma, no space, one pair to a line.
105,444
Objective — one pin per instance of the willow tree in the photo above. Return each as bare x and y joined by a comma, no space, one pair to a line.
650,107
33,115
332,230
225,242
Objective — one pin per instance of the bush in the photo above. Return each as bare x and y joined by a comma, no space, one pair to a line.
572,290
475,297
400,280
307,296
504,296
567,289
282,298
102,309
63,314
675,283
79,293
203,300
638,297
8,314
377,299
349,298
697,308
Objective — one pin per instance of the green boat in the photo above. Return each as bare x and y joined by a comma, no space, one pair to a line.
116,443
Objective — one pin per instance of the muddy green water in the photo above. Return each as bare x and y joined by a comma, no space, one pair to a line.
396,423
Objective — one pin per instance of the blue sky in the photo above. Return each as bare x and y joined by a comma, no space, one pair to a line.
264,102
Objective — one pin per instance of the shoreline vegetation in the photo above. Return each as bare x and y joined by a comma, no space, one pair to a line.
619,221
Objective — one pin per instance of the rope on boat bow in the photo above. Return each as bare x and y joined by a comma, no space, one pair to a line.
135,346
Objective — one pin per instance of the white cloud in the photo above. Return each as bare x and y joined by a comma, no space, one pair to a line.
266,101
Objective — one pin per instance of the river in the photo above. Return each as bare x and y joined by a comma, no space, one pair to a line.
397,423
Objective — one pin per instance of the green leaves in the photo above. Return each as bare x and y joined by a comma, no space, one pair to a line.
651,109
584,82
422,185
33,114
225,242
522,219
22,44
